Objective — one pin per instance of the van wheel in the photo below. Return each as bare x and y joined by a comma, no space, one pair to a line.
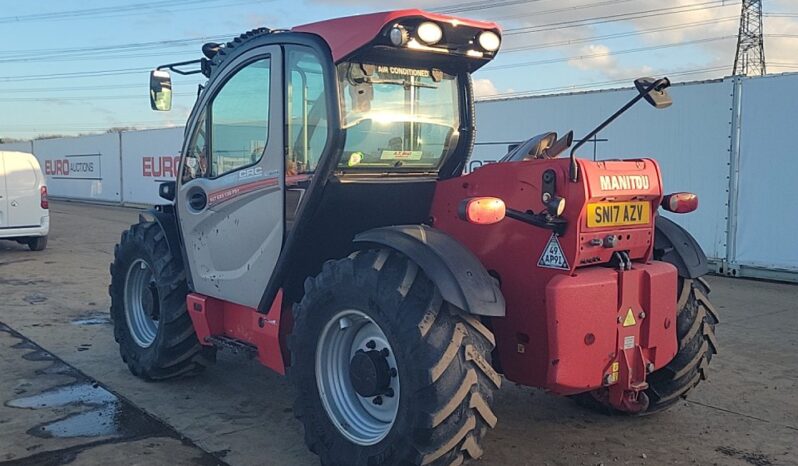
37,243
387,373
148,307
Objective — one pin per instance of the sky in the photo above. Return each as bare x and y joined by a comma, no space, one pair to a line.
71,67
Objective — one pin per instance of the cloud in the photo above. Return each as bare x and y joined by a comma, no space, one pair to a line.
484,87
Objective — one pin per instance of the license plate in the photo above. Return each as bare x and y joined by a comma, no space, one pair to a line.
613,214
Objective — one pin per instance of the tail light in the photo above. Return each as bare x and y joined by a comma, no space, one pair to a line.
482,210
43,192
680,203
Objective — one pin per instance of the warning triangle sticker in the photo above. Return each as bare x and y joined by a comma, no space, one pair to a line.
553,257
629,320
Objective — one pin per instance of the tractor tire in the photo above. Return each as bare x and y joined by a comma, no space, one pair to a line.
695,330
148,307
37,243
431,357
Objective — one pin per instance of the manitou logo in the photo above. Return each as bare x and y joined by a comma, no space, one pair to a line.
614,183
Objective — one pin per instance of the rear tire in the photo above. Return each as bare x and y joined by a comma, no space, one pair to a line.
442,357
695,330
148,307
37,243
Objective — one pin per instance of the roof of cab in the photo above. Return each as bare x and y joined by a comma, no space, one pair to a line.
345,35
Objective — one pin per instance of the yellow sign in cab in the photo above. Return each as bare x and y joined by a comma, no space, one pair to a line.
613,214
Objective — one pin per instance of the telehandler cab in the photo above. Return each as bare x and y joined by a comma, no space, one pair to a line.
322,223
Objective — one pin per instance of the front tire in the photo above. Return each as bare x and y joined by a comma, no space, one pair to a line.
148,307
442,383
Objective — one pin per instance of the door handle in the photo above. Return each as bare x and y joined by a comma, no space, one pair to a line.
198,200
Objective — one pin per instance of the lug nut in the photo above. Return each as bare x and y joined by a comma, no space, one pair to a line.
607,379
377,400
642,314
389,392
384,352
650,367
371,344
393,372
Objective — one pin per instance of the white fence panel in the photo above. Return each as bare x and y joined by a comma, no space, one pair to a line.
149,158
85,167
26,146
767,218
690,140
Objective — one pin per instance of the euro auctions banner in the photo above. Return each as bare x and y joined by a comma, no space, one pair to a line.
149,158
85,167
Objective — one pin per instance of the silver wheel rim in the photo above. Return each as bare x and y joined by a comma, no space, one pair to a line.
141,306
358,418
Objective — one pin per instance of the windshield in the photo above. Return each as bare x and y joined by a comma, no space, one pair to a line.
396,118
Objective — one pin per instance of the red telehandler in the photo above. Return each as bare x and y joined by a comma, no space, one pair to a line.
321,222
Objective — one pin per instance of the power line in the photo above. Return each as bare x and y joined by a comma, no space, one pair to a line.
111,11
618,35
616,17
607,54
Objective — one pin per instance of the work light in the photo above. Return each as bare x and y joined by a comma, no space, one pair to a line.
489,41
429,33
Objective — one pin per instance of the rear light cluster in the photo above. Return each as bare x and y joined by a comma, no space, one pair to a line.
680,203
482,210
44,202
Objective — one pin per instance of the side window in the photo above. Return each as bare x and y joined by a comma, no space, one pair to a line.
306,111
239,117
196,163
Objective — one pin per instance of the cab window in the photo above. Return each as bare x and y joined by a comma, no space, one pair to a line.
239,119
196,161
306,111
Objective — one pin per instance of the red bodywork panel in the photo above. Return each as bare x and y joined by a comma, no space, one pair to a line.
345,35
266,332
552,314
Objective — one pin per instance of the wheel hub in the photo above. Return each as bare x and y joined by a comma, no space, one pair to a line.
370,373
141,303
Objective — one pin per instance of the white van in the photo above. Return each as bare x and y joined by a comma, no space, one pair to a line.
24,214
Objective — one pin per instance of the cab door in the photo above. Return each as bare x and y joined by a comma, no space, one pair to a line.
230,198
3,196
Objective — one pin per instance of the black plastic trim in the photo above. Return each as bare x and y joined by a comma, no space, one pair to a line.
673,244
458,274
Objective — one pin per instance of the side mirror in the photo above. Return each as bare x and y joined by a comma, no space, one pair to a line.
658,96
160,90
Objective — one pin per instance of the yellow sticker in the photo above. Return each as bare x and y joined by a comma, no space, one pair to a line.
630,318
616,366
613,378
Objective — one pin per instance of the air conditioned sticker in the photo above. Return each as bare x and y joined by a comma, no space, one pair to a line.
553,257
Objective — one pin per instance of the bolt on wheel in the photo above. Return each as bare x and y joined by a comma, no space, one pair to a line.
141,303
357,377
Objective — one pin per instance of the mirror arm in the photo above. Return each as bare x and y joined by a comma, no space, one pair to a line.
656,85
173,67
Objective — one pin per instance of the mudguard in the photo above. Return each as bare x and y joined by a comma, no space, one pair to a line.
679,248
458,274
165,217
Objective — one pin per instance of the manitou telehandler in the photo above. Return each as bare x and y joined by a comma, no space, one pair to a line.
322,223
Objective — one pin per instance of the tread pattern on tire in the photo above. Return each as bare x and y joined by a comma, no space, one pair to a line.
450,352
176,350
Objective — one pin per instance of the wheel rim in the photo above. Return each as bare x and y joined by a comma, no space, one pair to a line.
364,420
141,303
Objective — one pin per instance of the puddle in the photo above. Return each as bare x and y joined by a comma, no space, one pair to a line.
93,320
107,415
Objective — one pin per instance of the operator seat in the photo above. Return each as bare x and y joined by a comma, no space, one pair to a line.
532,148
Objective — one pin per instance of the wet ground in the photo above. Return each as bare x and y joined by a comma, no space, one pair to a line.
71,418
66,397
